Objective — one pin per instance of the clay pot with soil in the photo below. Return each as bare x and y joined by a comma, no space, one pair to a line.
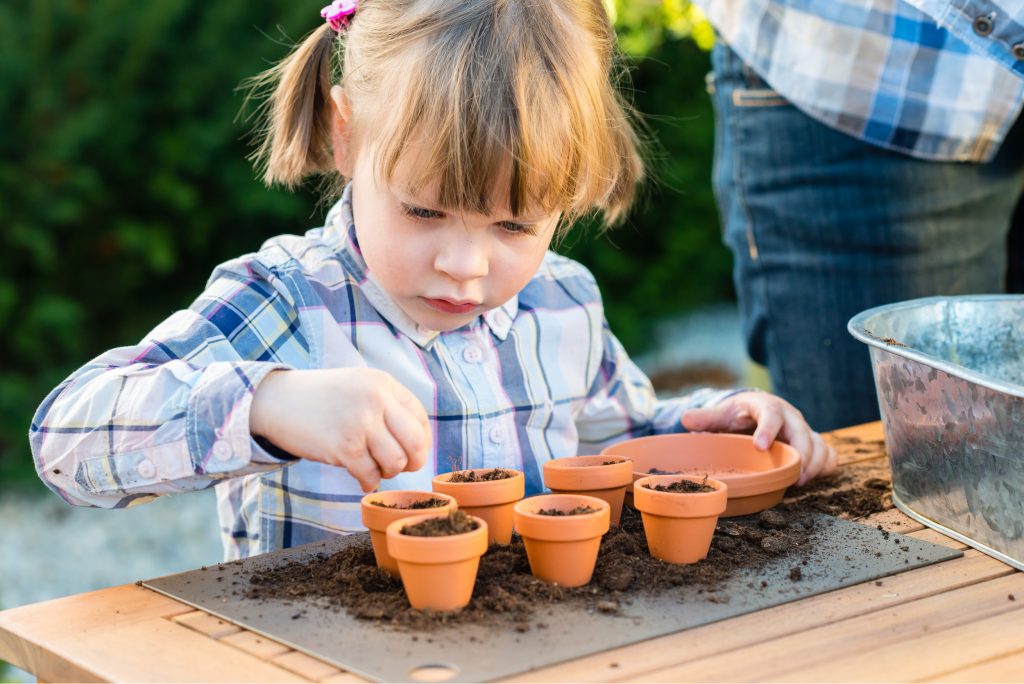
562,535
487,493
679,514
380,509
438,557
605,477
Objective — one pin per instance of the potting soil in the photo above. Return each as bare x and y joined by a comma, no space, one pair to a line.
330,600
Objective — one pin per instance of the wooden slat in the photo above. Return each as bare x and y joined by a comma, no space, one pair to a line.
255,644
1009,668
204,623
344,678
813,653
637,660
930,654
930,535
31,635
305,665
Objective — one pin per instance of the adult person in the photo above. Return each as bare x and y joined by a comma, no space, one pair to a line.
868,151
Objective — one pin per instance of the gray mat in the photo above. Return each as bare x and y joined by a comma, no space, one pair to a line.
843,554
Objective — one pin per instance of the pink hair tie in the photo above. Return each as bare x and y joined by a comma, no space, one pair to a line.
339,13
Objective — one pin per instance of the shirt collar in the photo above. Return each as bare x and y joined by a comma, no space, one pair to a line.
340,234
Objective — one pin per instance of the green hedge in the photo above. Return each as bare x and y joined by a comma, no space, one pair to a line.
123,179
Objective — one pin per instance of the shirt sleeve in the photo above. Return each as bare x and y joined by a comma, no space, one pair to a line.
171,413
990,27
621,403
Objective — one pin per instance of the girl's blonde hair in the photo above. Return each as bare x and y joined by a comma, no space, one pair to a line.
523,92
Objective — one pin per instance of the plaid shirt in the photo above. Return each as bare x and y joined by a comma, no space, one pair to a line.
937,79
538,378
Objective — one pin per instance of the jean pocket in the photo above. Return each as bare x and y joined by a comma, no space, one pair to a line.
757,97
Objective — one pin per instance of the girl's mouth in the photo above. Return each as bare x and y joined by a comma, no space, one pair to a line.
450,307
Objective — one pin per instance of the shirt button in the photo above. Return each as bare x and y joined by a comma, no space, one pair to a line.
221,450
497,434
1018,51
146,468
472,354
983,26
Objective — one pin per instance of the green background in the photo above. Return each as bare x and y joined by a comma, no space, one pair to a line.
123,178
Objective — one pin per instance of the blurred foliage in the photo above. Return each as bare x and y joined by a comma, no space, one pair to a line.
123,177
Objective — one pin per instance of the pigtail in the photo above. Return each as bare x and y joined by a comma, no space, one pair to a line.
294,134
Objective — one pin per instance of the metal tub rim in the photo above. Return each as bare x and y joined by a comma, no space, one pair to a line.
857,329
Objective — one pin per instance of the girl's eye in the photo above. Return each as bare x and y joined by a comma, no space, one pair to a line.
518,228
420,212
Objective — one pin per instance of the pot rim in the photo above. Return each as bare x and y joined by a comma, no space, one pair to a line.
680,504
435,550
561,527
491,493
582,473
377,518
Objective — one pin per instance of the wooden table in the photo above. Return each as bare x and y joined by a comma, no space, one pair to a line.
959,620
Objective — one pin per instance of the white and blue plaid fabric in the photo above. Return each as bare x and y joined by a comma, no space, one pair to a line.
936,79
540,377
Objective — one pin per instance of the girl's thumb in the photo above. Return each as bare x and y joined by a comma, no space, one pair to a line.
701,419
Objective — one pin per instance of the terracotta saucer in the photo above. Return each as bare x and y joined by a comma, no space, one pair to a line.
756,479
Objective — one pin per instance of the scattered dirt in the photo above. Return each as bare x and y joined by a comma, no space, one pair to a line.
683,487
456,522
507,594
470,476
415,505
579,510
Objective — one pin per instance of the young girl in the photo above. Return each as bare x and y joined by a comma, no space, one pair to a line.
426,325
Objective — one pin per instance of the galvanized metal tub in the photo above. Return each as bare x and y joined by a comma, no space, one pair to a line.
950,378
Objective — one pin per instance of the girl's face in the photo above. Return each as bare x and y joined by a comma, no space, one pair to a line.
443,269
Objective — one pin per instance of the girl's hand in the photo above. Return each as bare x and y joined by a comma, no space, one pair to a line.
770,418
360,419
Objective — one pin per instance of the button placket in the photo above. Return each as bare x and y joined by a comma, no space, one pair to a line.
472,354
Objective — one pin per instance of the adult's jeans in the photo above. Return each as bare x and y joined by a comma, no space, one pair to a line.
823,226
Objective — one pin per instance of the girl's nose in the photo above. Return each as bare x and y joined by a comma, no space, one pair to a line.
462,258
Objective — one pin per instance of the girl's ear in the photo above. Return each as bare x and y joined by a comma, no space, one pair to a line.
341,145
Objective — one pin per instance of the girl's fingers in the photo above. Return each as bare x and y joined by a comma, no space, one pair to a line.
410,432
817,460
386,451
769,424
364,469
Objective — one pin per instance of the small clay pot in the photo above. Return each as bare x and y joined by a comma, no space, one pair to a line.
377,518
679,525
562,548
491,500
437,572
585,475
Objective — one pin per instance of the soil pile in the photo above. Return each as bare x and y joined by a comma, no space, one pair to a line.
506,592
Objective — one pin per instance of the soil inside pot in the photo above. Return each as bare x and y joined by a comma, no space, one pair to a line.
611,463
415,505
506,593
579,510
470,476
658,471
456,522
683,487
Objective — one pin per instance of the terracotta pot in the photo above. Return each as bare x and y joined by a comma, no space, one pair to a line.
437,572
562,548
585,475
757,480
490,500
679,526
377,518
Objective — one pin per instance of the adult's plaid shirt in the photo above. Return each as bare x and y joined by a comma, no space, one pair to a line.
936,79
